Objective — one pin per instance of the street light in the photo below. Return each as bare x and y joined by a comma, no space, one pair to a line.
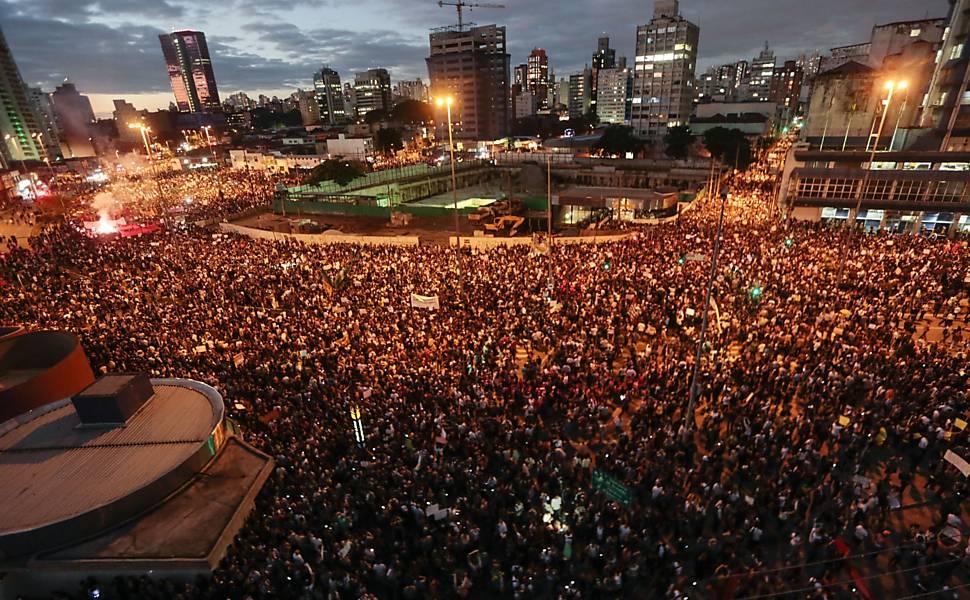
891,86
145,130
144,136
447,102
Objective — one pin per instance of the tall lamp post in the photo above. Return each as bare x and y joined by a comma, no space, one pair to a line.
447,102
892,86
145,130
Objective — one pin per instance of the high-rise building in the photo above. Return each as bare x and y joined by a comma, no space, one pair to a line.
240,101
47,120
613,95
190,71
19,123
604,57
373,91
946,105
309,109
663,78
538,77
413,89
520,75
472,66
757,85
562,92
330,97
722,83
75,119
580,93
786,87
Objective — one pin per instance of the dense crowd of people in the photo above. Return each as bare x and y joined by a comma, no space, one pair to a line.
490,423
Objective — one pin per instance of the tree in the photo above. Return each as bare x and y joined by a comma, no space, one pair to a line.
388,140
729,146
619,139
678,141
412,112
340,172
375,116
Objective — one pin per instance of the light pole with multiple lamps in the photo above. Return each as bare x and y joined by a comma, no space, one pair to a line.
145,130
447,102
892,86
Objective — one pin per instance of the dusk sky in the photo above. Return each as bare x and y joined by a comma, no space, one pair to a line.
110,48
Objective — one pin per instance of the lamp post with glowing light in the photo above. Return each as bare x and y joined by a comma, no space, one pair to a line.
145,130
454,179
208,140
892,86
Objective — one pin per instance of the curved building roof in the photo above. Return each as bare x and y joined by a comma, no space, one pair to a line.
63,480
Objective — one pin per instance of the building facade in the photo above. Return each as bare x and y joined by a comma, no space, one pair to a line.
663,78
309,109
372,89
946,105
538,77
19,123
330,97
190,71
757,84
580,93
413,89
901,191
613,95
472,66
50,133
786,88
75,118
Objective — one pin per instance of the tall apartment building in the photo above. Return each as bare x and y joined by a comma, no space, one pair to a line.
757,85
309,108
613,95
75,118
372,89
580,93
786,87
472,66
538,77
412,89
885,40
330,97
663,77
722,83
603,58
946,105
19,123
190,71
47,120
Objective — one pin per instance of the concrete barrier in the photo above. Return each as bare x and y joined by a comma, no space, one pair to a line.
321,238
489,243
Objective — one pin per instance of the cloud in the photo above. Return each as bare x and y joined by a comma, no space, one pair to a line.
111,46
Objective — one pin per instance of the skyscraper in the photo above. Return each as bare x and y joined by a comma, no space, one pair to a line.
74,118
19,123
603,58
330,97
663,83
373,91
786,87
580,93
309,109
472,66
758,83
612,95
190,71
538,77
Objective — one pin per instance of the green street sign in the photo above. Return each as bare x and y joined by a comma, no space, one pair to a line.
610,486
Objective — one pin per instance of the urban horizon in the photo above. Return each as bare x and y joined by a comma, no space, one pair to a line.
271,59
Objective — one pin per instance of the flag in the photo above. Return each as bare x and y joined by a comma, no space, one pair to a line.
428,302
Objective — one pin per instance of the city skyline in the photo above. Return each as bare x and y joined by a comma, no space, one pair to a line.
258,51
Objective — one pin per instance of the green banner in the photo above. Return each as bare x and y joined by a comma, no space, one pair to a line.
612,487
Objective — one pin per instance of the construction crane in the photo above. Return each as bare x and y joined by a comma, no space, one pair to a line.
459,4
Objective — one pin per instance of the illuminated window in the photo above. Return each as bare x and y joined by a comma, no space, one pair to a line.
915,32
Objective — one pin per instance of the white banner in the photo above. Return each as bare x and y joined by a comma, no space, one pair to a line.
957,461
429,302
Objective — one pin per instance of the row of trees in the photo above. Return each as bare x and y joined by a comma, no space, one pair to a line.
730,146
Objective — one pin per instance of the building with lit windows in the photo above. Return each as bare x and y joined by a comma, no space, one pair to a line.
757,85
900,191
190,71
885,40
413,89
580,93
946,105
471,66
330,97
538,77
786,88
372,88
613,95
19,122
663,76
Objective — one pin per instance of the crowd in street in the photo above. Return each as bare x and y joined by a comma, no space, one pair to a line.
820,420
